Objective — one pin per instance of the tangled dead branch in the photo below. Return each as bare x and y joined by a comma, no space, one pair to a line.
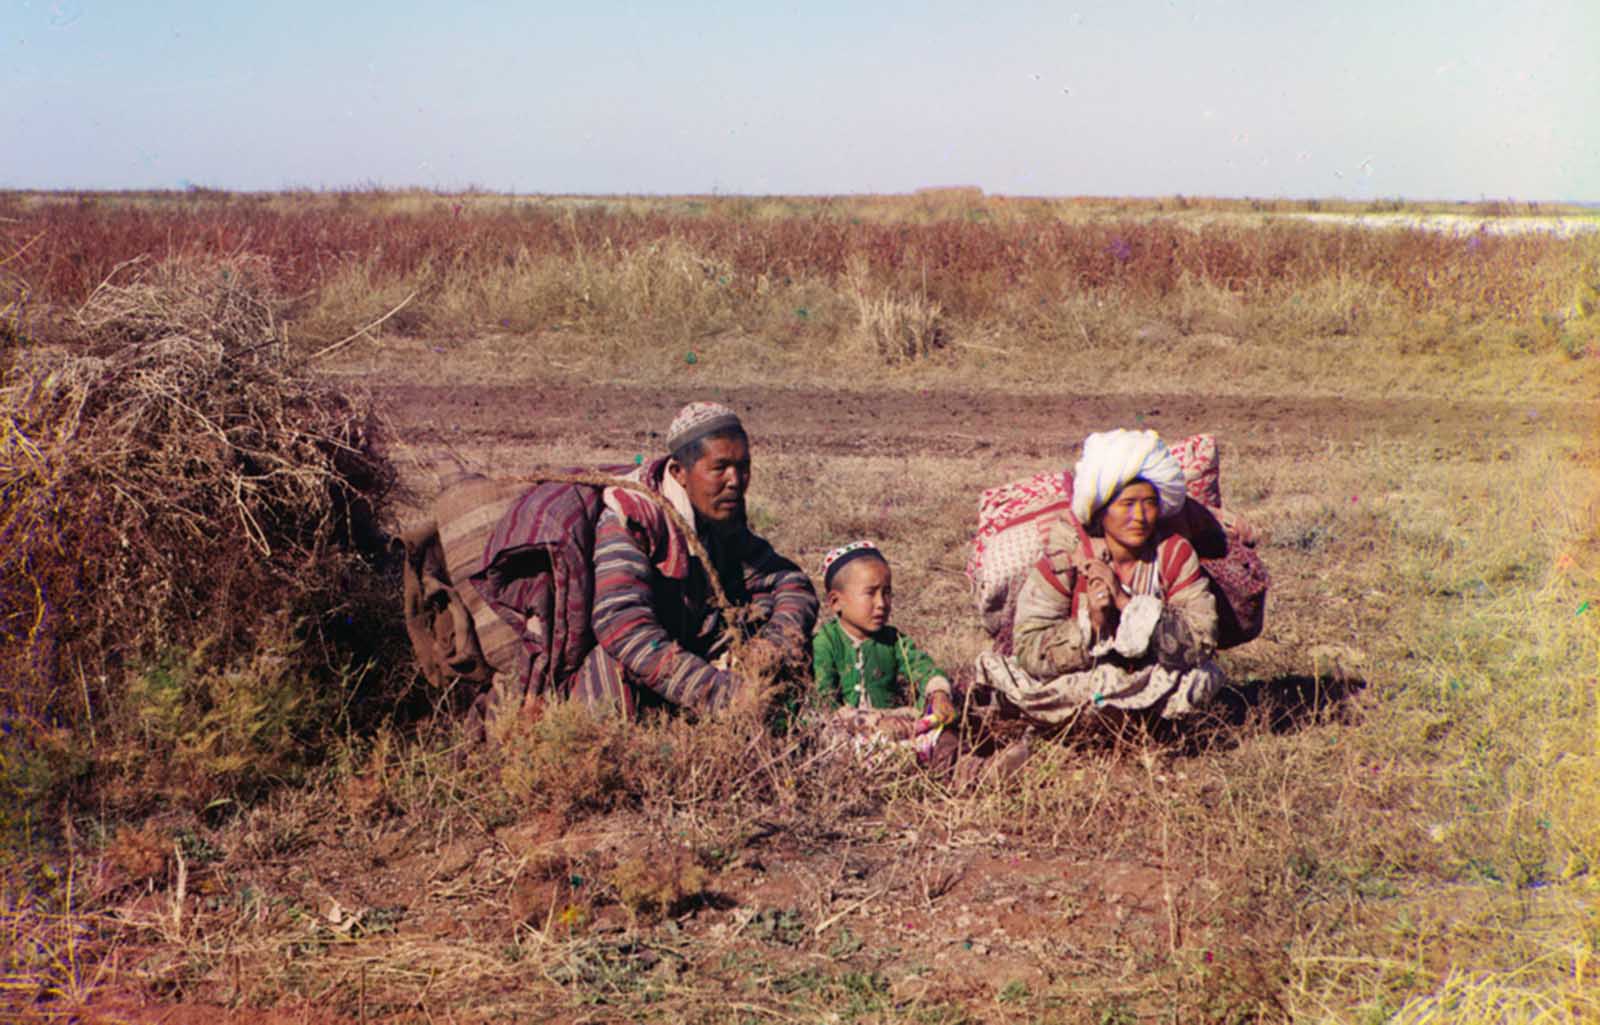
228,302
173,482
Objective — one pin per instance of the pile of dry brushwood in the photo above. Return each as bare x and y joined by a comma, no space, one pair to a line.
174,479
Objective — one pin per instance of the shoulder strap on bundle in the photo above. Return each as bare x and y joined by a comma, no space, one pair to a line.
1049,573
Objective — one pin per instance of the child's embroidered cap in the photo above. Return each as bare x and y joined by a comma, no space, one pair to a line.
698,419
837,558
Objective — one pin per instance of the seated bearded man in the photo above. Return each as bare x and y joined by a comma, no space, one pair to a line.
1117,614
660,639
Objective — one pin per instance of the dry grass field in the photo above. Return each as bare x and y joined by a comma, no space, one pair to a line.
1394,817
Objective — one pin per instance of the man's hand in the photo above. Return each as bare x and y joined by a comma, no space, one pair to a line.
942,708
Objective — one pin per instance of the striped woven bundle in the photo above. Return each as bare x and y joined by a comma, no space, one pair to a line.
454,632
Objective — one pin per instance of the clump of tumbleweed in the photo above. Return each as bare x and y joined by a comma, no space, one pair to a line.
185,513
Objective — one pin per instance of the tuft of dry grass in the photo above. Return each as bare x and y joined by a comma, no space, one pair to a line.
1471,999
227,303
568,761
54,954
894,328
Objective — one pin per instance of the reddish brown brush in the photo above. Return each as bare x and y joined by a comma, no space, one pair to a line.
967,266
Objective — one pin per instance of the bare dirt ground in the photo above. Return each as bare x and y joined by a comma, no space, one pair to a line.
454,921
943,422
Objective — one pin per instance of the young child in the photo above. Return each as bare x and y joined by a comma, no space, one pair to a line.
859,660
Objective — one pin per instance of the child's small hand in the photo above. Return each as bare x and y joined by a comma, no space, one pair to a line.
942,708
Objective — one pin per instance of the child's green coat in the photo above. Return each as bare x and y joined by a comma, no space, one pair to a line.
882,658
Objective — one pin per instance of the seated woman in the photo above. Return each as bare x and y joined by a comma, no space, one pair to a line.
1117,613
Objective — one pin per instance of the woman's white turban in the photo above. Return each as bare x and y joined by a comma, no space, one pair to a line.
1113,458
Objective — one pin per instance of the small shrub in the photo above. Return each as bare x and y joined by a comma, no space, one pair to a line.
140,853
570,761
185,507
193,732
660,882
1305,537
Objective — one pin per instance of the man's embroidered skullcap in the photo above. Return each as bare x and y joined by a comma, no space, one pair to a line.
698,419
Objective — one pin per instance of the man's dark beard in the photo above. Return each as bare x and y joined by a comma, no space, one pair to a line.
728,526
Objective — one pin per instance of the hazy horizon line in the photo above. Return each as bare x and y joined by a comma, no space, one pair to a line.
926,190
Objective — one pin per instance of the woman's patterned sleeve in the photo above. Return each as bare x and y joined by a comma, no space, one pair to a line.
1047,640
1189,600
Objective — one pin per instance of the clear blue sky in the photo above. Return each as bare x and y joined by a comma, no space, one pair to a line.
1361,98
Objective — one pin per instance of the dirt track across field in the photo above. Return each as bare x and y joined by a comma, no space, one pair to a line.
827,421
